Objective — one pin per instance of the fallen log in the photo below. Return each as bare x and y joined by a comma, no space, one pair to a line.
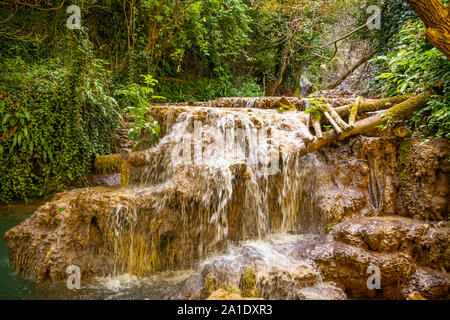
123,162
317,127
397,112
354,112
298,103
373,105
337,118
332,122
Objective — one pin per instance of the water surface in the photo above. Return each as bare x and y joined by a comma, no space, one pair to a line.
11,286
14,287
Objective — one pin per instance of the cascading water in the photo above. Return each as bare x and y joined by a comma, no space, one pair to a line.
269,268
229,175
218,176
250,103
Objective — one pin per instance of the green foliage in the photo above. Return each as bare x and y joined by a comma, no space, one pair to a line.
137,100
56,110
63,116
284,107
388,122
414,65
246,88
222,32
395,13
290,36
435,118
209,40
204,89
317,107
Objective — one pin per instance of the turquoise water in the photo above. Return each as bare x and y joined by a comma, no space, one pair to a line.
14,287
11,286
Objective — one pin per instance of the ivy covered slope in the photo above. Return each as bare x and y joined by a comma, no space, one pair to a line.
56,115
408,63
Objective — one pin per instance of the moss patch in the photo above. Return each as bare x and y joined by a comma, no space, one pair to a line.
109,163
248,283
114,163
404,150
211,284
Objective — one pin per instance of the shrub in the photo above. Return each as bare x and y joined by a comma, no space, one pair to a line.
413,66
55,118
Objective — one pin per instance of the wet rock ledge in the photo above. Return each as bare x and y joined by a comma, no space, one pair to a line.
369,201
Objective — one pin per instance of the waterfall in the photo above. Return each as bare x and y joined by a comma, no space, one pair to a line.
226,175
218,176
250,102
306,87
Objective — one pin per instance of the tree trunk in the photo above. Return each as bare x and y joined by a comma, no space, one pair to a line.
350,71
297,76
372,105
436,18
317,127
271,86
276,82
284,64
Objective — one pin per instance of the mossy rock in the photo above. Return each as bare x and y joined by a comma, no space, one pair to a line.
248,283
109,163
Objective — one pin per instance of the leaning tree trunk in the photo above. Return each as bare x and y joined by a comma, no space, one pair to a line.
350,71
275,83
436,18
271,86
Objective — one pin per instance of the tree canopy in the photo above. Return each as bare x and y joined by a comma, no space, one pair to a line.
65,92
